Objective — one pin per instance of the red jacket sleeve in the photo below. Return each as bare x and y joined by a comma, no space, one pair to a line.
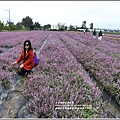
21,57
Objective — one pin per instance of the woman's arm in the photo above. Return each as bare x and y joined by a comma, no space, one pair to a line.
21,57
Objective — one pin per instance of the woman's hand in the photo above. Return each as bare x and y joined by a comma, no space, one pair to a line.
21,65
14,63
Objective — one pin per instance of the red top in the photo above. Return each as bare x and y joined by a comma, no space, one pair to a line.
29,62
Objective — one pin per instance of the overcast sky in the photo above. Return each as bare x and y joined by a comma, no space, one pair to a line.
103,14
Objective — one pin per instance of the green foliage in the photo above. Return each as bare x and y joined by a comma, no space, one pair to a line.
72,27
19,26
88,113
5,83
113,89
47,27
1,26
7,28
37,26
27,22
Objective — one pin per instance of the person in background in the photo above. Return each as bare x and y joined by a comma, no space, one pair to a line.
26,56
100,34
94,33
84,31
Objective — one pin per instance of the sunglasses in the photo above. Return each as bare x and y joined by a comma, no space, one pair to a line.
26,44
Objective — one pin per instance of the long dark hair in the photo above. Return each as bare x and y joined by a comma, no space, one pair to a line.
30,48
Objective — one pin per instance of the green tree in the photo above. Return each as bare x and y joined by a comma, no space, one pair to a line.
27,22
37,26
11,25
19,26
61,26
32,26
66,27
72,27
6,27
1,26
47,27
7,23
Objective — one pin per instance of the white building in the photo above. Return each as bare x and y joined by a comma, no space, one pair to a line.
54,27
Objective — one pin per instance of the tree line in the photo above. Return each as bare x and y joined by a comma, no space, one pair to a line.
27,24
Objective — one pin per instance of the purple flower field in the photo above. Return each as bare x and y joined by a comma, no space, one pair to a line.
109,46
61,85
103,67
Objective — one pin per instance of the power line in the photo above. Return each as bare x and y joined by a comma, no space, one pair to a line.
12,20
2,10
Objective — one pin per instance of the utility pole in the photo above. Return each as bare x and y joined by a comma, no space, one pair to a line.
9,15
9,18
110,27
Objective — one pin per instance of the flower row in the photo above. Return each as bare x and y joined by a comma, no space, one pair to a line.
105,69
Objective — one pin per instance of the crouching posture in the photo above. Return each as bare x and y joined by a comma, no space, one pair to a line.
26,56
